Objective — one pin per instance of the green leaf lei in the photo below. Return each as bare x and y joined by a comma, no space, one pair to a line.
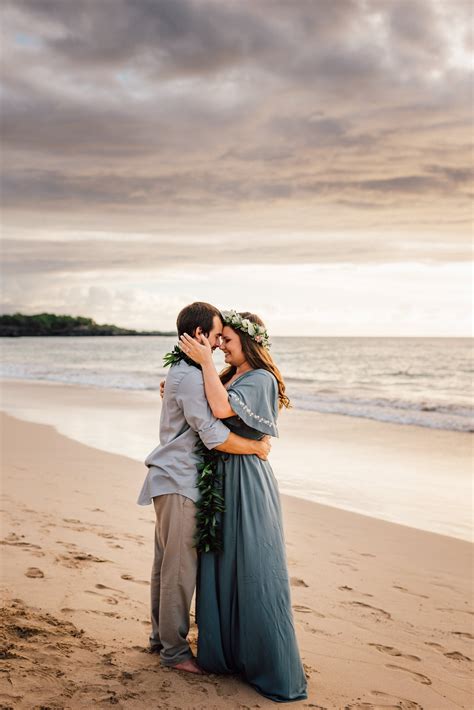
175,356
210,506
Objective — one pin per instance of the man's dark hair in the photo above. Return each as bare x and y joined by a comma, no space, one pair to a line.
197,315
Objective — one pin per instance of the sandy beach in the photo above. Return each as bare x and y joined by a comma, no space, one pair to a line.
382,610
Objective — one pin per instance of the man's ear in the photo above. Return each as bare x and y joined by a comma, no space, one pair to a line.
197,332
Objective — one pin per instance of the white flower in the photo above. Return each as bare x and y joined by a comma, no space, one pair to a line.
255,331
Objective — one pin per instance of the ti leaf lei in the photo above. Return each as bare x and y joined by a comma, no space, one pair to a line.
210,506
175,356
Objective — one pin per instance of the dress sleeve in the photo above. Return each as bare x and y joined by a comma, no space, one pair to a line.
254,399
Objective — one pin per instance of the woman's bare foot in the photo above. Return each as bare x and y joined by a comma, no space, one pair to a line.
190,666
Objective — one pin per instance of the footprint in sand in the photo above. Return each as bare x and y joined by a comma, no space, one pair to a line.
112,589
419,677
108,536
362,554
346,564
137,538
110,614
394,652
345,588
78,559
458,656
72,524
455,655
118,592
463,634
68,545
107,599
129,578
17,541
306,610
308,670
302,609
34,573
227,688
312,630
407,591
295,582
373,610
460,611
401,703
68,610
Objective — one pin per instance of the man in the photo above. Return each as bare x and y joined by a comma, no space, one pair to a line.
171,485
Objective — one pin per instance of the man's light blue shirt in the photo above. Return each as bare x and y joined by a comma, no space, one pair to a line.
185,418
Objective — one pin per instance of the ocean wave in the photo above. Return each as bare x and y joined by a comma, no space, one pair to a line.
425,413
451,417
85,379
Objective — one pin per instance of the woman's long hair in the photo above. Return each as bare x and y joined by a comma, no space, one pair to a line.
258,358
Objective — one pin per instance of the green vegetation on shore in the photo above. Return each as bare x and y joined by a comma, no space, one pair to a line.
50,324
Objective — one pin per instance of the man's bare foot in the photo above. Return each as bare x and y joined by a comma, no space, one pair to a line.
190,666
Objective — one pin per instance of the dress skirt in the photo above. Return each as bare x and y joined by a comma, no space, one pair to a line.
243,604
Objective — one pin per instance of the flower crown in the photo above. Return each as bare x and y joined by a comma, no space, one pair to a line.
255,331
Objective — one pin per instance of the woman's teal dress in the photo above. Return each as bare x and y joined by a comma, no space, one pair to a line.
243,604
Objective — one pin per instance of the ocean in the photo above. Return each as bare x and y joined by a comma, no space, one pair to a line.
419,382
424,382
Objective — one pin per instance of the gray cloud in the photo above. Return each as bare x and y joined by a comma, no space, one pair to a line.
194,189
182,115
155,254
172,37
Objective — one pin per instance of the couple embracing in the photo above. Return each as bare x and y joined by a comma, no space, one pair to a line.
218,517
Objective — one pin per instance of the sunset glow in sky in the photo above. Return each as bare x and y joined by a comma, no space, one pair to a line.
309,161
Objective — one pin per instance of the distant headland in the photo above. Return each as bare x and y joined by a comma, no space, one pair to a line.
16,325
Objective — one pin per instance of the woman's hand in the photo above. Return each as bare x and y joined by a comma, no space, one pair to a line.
162,389
199,352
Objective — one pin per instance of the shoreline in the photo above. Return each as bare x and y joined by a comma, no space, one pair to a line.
406,475
381,610
296,397
291,500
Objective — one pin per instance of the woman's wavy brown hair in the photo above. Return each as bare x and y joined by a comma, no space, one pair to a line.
258,358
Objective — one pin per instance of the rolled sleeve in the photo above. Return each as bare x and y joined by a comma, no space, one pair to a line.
191,398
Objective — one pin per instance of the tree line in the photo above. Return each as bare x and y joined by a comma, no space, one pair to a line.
51,324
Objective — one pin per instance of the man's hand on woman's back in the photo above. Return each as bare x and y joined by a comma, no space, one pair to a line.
266,446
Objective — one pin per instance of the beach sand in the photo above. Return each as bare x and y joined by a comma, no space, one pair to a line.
381,610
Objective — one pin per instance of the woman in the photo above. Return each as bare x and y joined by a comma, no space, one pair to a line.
243,605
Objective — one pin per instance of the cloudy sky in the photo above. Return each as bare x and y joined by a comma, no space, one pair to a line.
306,160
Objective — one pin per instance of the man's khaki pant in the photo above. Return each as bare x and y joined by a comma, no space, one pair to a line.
173,577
